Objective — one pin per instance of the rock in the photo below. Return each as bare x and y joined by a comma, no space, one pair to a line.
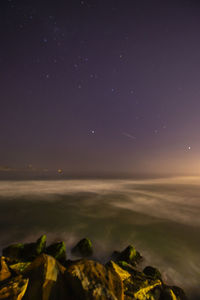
4,270
152,272
25,252
32,250
14,289
41,244
130,269
90,280
129,255
15,251
168,294
46,280
111,265
20,267
138,285
115,255
83,248
139,288
58,251
180,294
29,252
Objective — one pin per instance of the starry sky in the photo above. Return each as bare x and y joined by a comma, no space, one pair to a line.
100,86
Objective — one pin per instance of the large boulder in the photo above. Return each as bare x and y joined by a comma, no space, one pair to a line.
152,273
90,280
129,255
25,252
32,250
123,274
14,251
83,248
14,289
46,279
168,294
41,244
129,268
139,288
4,270
19,267
58,251
136,284
180,294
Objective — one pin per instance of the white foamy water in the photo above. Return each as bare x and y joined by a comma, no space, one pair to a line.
159,216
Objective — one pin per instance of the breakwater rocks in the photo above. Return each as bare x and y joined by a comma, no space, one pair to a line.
36,272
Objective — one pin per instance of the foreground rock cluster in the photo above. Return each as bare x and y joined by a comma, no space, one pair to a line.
36,272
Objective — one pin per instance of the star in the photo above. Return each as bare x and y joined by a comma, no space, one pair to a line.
189,148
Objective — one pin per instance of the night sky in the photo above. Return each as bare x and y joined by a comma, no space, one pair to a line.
100,86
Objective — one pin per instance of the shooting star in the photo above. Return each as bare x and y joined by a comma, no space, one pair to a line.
130,136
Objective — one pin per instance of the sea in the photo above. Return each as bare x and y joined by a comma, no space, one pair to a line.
160,217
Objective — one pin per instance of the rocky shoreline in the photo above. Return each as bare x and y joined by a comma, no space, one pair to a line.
35,271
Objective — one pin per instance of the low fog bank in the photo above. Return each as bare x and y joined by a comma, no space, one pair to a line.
160,217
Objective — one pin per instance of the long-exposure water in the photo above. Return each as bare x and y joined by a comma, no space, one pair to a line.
160,217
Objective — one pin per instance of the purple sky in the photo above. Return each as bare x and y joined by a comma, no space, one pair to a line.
100,86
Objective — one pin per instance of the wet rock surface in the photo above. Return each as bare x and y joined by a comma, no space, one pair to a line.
83,248
36,272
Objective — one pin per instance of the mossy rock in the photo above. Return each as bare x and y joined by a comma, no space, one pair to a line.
20,267
83,248
41,244
25,252
152,272
139,288
129,255
168,294
88,279
46,279
4,269
123,274
15,251
130,269
32,250
57,250
14,289
180,294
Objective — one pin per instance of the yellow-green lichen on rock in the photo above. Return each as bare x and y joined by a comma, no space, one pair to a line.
89,279
28,274
83,248
111,265
128,255
139,286
46,279
147,292
14,289
57,250
4,269
19,267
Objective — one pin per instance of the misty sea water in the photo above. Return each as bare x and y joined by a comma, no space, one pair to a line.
160,217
